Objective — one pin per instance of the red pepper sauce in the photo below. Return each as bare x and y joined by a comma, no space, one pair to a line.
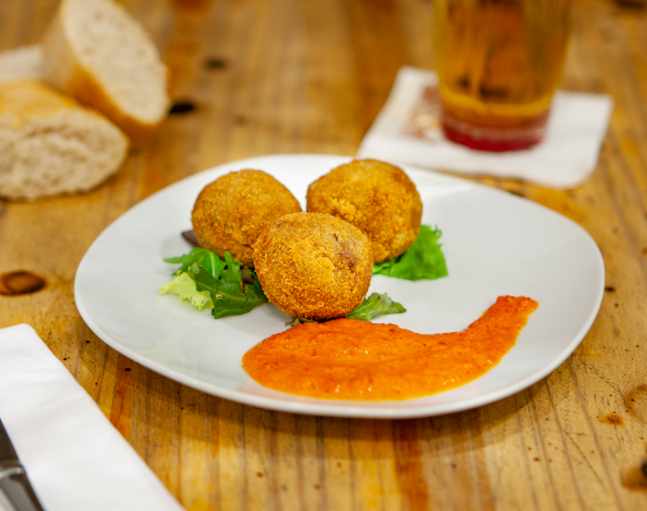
351,359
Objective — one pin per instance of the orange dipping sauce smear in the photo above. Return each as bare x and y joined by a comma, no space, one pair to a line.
352,359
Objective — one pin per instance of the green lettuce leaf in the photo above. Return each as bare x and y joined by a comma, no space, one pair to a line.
199,257
232,289
375,305
184,287
423,260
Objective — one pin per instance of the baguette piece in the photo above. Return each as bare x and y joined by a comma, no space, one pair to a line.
97,53
21,63
51,145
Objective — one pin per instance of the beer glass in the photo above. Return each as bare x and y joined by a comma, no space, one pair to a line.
498,63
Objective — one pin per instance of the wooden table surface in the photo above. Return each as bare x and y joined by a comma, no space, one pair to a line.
276,76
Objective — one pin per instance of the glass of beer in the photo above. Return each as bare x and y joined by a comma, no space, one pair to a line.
499,63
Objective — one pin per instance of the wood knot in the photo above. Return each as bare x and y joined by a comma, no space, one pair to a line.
213,63
635,402
182,107
635,478
20,282
611,418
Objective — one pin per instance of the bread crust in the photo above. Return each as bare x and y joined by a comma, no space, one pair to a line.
64,69
23,100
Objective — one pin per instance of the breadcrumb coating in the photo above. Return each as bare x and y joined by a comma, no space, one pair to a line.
231,212
313,265
375,196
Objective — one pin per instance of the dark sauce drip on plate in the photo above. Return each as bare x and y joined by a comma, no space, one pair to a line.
189,237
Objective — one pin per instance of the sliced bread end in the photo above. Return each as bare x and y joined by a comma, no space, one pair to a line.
96,52
49,145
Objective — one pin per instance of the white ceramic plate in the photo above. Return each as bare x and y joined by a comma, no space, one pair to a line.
495,244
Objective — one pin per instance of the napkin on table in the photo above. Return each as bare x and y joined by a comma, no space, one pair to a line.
408,130
74,457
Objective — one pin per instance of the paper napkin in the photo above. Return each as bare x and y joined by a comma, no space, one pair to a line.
408,130
74,457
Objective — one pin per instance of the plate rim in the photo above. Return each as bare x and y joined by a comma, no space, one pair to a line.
341,408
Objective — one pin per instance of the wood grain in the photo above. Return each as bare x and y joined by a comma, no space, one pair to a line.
310,77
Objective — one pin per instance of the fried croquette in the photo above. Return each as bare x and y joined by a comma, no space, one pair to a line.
377,197
231,212
313,265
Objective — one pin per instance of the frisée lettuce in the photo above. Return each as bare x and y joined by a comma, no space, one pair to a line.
221,284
